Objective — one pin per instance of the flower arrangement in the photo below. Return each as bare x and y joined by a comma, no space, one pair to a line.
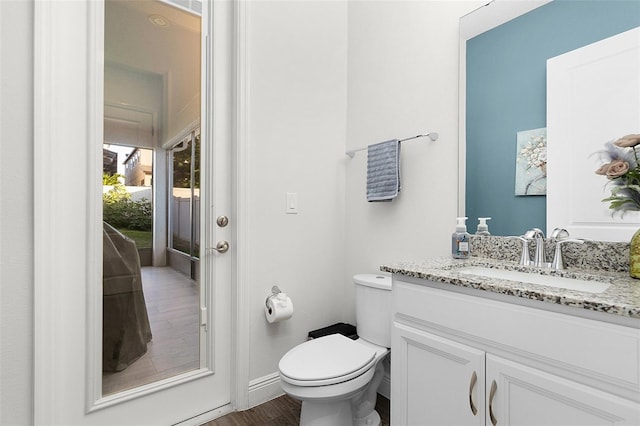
623,171
534,153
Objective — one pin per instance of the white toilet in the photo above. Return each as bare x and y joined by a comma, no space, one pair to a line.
337,378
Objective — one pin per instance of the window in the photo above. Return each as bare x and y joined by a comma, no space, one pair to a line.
184,220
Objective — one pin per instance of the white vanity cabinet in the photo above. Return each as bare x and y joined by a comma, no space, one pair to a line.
460,359
449,392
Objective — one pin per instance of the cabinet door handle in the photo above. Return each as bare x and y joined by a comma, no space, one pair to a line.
492,394
472,384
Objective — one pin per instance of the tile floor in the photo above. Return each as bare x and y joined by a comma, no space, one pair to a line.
173,307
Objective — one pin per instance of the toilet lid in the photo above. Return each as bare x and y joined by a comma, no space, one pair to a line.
326,359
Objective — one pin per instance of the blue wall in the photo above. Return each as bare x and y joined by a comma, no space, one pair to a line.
506,93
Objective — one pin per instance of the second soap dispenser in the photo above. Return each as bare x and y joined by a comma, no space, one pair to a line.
483,228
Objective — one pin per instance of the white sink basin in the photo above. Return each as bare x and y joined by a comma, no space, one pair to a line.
533,278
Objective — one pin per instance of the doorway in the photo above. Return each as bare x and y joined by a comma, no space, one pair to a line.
71,122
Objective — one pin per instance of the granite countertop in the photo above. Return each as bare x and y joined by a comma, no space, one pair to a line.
621,298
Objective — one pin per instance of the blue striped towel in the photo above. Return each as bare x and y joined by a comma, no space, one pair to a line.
383,171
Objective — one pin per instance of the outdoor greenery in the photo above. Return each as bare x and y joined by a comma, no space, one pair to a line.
121,212
182,166
143,239
111,179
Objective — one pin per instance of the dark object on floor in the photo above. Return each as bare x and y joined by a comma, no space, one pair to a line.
125,324
339,328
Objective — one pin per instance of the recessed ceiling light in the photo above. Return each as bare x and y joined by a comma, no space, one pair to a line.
159,20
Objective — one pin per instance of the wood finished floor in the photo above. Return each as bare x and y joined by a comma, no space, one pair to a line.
173,308
282,411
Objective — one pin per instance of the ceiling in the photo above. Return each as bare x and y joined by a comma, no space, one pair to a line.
171,52
132,39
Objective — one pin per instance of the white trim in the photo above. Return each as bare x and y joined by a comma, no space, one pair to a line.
462,123
493,14
207,262
184,133
207,417
264,389
242,173
44,318
143,390
95,130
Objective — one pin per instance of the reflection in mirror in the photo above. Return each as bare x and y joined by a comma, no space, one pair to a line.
503,91
151,297
185,203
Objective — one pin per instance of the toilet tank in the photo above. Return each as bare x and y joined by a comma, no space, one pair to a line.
373,308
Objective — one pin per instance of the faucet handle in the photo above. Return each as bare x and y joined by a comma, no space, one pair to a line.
559,233
558,262
534,233
525,259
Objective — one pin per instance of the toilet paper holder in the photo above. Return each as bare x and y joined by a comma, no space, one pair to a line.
275,290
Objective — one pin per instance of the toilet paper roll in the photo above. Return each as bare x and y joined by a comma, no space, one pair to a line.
278,308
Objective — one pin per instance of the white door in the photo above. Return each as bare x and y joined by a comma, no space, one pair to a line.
593,97
435,381
519,395
68,230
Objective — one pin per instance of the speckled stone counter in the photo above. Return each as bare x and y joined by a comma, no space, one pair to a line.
621,298
593,255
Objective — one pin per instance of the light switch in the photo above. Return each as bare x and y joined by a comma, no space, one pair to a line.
292,203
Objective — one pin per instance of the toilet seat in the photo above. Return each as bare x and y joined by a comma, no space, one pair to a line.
325,361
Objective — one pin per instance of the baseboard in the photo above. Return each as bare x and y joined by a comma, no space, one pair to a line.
268,387
264,389
206,417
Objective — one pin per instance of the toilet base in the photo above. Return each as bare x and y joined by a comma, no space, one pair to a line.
332,413
373,419
326,413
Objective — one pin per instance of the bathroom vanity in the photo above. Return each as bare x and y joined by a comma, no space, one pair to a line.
472,349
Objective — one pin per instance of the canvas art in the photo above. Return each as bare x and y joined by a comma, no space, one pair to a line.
531,162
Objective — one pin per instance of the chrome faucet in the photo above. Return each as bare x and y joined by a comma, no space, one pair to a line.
561,236
538,235
558,261
525,259
559,233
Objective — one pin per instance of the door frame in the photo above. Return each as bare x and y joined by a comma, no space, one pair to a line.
241,322
67,70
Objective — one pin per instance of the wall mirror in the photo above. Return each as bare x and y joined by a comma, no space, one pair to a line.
504,47
151,184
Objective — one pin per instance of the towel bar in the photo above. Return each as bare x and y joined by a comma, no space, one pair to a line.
433,136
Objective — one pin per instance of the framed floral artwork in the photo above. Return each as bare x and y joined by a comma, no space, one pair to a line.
531,162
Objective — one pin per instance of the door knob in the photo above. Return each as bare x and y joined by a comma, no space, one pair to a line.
221,247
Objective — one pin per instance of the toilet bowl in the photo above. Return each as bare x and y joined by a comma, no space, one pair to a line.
337,378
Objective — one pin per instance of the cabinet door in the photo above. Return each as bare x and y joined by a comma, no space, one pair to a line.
519,395
435,381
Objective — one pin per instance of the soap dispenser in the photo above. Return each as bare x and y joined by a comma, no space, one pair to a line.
460,244
483,228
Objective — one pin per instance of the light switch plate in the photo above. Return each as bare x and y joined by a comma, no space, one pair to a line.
292,203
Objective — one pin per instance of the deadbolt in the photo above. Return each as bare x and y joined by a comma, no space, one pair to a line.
222,221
